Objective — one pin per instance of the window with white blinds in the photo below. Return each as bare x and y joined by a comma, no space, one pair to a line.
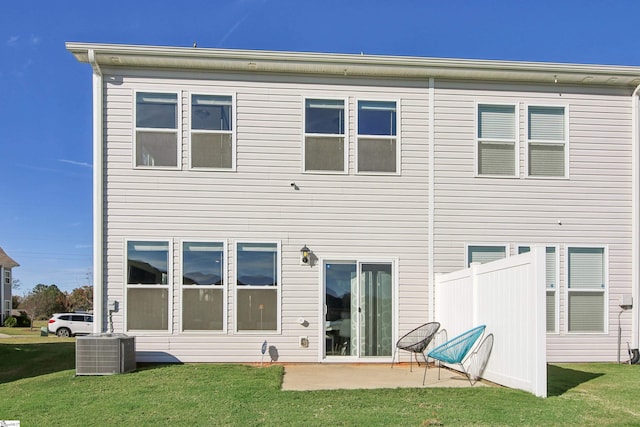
586,287
496,144
546,141
484,254
551,284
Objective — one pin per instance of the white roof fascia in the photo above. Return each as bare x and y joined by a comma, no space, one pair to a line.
131,56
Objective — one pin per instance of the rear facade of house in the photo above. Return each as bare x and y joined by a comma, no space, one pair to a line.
214,169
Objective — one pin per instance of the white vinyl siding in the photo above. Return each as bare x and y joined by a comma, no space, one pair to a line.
325,146
485,253
157,121
586,289
334,214
547,141
213,140
496,140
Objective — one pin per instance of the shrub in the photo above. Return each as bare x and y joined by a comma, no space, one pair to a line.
23,320
10,322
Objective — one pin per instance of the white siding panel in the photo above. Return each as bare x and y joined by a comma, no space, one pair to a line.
593,204
337,216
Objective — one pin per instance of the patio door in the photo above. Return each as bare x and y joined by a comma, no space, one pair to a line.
358,299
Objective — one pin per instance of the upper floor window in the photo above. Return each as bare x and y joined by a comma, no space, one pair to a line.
325,144
156,133
212,138
546,141
586,289
203,286
377,149
148,281
496,143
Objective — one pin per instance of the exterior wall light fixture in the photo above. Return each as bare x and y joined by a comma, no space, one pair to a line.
304,254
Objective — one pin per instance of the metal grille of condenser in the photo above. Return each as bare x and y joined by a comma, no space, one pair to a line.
105,354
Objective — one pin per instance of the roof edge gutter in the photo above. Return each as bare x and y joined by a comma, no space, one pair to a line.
232,60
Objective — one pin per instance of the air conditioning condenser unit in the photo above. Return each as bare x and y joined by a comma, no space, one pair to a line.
105,354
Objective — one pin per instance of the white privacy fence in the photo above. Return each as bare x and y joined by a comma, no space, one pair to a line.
509,297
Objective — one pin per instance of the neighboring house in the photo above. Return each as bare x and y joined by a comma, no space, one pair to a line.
6,265
215,168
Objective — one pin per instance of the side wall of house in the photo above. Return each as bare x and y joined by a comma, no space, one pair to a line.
592,207
338,216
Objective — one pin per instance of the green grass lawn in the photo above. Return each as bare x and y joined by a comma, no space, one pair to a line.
38,387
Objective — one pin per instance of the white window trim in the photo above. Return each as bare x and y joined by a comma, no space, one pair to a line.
278,330
224,287
397,136
516,142
168,286
568,290
178,130
233,132
557,280
566,142
345,135
506,246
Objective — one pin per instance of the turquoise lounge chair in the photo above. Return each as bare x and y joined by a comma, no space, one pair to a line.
455,351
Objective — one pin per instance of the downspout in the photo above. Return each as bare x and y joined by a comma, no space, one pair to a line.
431,200
98,272
635,226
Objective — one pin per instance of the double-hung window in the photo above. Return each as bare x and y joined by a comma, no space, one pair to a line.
212,137
203,286
551,280
586,289
148,279
546,141
325,130
377,147
258,286
485,253
156,132
497,140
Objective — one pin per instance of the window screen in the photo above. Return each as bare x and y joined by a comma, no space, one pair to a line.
496,140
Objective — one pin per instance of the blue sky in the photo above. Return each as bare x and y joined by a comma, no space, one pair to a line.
45,94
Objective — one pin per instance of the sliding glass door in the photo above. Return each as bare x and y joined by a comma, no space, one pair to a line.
358,309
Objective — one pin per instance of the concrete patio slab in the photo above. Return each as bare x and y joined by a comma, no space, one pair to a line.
333,376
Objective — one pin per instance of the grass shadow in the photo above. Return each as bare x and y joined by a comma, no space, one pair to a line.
560,380
26,360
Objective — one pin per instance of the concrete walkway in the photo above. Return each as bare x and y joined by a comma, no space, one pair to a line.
332,376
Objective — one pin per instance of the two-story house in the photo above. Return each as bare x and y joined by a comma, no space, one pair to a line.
6,266
310,199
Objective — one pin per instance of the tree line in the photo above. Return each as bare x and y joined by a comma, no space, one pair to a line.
42,301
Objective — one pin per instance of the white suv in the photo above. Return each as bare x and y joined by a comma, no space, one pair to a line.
70,324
